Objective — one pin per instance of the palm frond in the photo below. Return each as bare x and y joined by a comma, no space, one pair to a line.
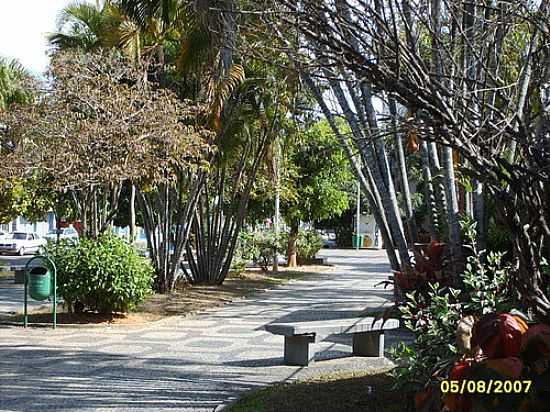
13,87
221,91
194,47
79,25
129,39
78,11
141,11
62,41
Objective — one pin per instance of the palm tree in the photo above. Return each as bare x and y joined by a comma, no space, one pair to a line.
90,27
82,25
13,84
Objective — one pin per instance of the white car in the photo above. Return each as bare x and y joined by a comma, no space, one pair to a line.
20,243
68,233
329,239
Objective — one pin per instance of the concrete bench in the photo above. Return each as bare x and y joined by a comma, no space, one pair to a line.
301,337
18,271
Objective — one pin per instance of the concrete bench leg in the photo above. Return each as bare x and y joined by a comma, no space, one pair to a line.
297,350
368,344
19,277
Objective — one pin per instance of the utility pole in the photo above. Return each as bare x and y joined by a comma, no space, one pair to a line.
358,217
277,205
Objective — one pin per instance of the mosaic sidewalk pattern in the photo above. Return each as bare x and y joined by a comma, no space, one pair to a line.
188,364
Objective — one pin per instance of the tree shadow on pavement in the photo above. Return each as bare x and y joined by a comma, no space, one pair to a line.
36,379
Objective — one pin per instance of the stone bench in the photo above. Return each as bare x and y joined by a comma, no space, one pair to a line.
301,337
18,271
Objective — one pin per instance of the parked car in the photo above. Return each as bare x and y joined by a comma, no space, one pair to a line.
329,239
20,243
2,234
68,233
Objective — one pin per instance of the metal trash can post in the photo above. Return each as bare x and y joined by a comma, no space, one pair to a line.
42,286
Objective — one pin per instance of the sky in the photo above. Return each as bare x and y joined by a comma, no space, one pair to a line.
23,26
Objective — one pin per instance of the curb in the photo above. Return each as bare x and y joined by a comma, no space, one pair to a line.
83,325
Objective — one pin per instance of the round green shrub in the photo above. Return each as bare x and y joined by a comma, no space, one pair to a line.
104,275
308,244
257,246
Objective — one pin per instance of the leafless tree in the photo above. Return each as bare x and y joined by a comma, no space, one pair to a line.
99,125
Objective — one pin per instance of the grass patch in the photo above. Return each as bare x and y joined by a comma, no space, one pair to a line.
331,393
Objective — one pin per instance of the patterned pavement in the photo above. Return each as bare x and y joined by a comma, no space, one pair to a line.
11,294
189,364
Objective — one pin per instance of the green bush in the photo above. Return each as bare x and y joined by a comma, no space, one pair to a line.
309,243
433,317
257,246
104,275
267,243
245,252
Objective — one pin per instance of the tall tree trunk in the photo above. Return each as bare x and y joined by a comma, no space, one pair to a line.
389,202
433,223
160,215
452,208
368,189
229,28
437,179
218,223
411,219
277,214
376,163
381,160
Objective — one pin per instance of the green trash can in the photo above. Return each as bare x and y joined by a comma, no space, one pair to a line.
40,283
357,241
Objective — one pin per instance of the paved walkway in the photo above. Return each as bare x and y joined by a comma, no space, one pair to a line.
12,298
11,294
187,364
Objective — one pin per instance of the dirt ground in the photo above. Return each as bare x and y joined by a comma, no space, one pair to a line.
185,300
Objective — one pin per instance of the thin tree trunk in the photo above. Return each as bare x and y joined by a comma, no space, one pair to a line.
429,192
437,178
452,207
132,214
402,166
389,202
217,232
276,222
479,215
373,201
381,163
95,228
376,165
